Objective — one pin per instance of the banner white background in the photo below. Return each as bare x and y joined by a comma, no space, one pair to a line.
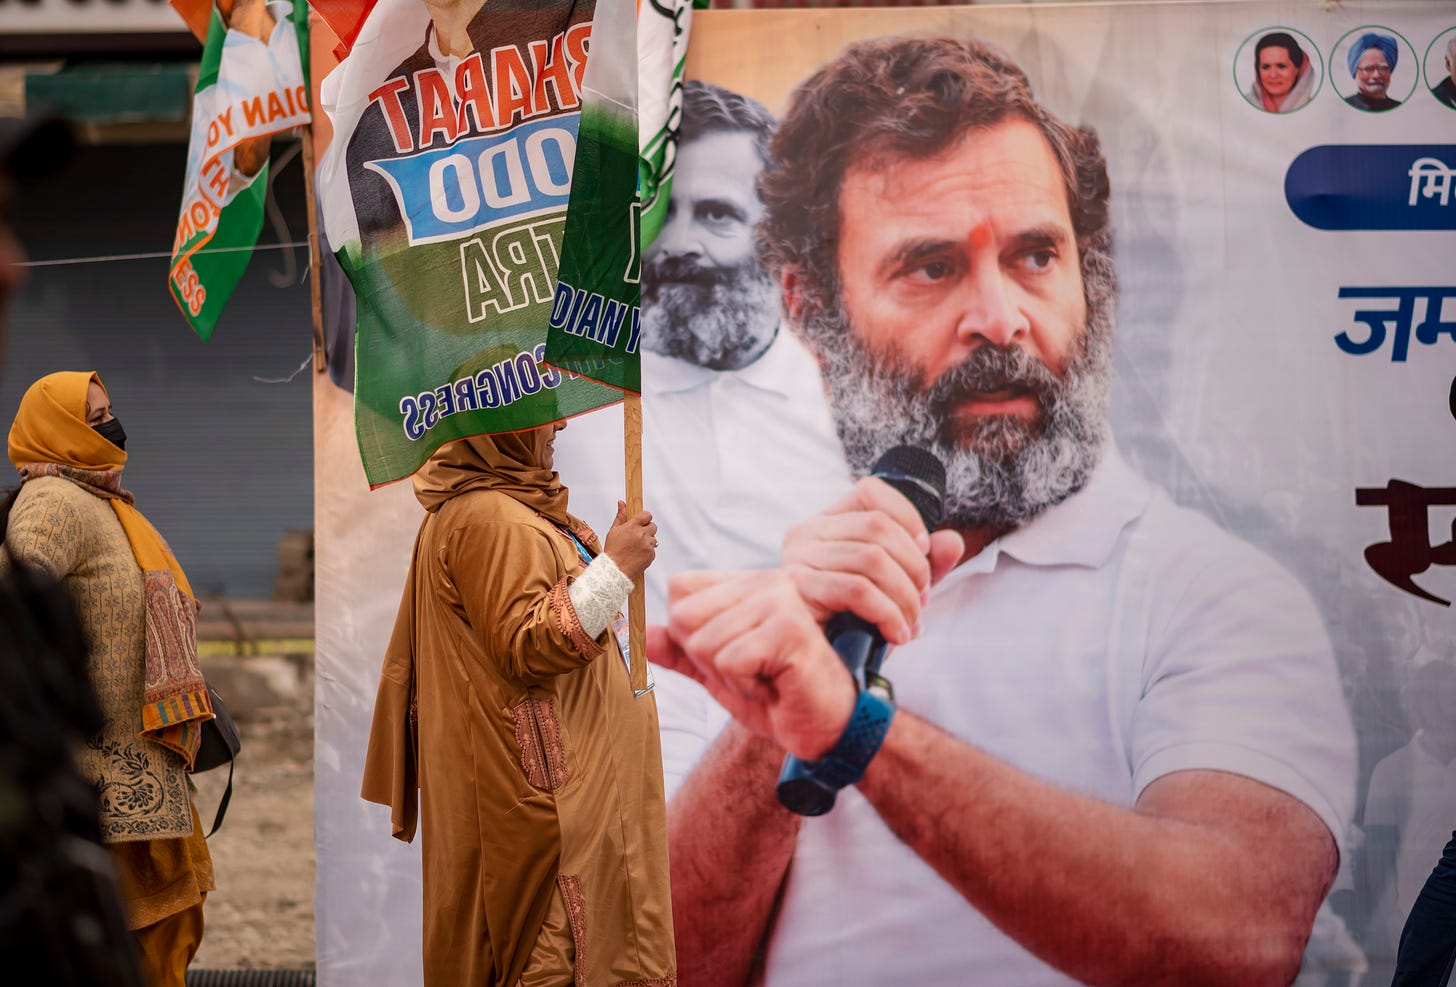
1231,391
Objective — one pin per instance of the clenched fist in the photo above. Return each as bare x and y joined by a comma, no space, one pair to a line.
632,542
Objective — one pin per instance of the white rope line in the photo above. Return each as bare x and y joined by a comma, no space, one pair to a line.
155,255
289,379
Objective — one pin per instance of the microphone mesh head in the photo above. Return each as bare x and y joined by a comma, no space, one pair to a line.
917,474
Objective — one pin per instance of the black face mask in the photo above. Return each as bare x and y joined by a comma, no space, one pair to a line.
112,432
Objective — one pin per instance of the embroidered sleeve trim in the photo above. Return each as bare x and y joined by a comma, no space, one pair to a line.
587,536
576,915
568,622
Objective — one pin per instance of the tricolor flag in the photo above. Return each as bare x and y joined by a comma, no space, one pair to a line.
595,324
253,83
631,116
444,194
663,27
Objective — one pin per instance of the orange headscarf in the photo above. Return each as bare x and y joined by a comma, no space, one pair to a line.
50,426
50,437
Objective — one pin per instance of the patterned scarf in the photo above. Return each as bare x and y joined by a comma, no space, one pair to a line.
50,437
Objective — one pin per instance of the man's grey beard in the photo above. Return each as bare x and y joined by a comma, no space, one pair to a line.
722,319
1001,471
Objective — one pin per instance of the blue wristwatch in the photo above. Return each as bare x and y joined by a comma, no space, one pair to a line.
809,787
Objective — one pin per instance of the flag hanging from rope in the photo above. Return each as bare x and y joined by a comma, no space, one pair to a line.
252,83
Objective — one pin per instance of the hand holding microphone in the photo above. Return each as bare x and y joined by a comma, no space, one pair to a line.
809,787
754,639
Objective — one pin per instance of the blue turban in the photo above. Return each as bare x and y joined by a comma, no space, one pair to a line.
1369,40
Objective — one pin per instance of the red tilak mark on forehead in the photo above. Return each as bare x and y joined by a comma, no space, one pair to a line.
980,237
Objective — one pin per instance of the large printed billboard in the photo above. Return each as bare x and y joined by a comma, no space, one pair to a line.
1196,688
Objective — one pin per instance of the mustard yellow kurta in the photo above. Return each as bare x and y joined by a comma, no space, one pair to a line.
72,519
147,819
539,773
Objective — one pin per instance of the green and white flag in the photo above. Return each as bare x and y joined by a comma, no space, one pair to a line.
595,321
662,50
444,194
630,120
247,90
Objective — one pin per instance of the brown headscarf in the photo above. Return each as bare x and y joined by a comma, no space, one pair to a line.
512,463
50,437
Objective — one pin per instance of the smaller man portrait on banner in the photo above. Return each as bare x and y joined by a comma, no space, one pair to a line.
1372,58
1445,89
736,432
737,440
1103,698
705,298
1285,73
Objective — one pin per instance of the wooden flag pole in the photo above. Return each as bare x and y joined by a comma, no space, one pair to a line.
637,601
315,255
322,43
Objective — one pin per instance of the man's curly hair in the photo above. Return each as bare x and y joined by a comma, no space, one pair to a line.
894,98
710,109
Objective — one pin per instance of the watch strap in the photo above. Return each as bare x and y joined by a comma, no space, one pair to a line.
847,760
809,787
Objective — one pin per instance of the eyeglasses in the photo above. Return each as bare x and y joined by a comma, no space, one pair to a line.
1374,70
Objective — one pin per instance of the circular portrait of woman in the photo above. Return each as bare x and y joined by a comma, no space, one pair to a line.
1278,70
1374,69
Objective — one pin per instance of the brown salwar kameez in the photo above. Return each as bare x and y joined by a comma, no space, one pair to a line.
539,773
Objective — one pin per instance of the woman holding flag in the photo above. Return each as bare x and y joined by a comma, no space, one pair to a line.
505,702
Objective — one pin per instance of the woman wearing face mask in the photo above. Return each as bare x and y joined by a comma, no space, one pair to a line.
72,518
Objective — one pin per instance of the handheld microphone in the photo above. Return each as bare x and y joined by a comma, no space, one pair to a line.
917,474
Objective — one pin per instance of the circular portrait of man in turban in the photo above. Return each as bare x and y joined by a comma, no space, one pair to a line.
1374,69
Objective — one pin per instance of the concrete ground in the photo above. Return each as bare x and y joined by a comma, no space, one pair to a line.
258,654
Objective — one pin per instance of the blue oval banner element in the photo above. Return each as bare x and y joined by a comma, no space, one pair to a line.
1374,187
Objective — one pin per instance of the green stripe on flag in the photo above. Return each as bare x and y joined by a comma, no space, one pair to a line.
247,90
595,311
447,208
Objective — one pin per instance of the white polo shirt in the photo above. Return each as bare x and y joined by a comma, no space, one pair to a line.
730,460
733,458
1115,639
